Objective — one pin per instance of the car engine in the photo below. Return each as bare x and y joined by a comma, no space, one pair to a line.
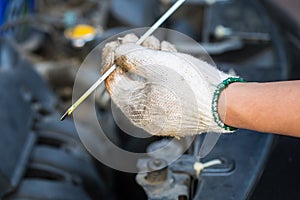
43,44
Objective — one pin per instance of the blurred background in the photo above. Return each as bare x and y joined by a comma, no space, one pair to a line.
43,43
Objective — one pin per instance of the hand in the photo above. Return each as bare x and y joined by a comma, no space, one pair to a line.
160,90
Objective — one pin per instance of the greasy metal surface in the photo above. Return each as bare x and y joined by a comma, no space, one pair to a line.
175,186
158,171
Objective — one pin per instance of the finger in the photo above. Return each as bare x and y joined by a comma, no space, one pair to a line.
119,79
121,55
129,38
167,46
108,55
151,42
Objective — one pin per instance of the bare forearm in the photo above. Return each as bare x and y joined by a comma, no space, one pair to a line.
268,107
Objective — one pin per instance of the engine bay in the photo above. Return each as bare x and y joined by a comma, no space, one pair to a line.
43,46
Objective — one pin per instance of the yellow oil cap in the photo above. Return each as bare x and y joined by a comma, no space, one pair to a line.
81,32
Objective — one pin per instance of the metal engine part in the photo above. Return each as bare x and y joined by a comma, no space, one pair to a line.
162,183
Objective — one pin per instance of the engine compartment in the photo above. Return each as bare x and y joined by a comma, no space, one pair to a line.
43,158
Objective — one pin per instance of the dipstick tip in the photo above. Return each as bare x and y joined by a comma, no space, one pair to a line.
64,116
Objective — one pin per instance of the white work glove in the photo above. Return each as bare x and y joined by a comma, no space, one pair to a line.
160,90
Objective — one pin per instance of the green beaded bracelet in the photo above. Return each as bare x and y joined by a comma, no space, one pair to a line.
214,105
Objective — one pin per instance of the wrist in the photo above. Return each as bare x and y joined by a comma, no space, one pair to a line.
220,103
226,99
